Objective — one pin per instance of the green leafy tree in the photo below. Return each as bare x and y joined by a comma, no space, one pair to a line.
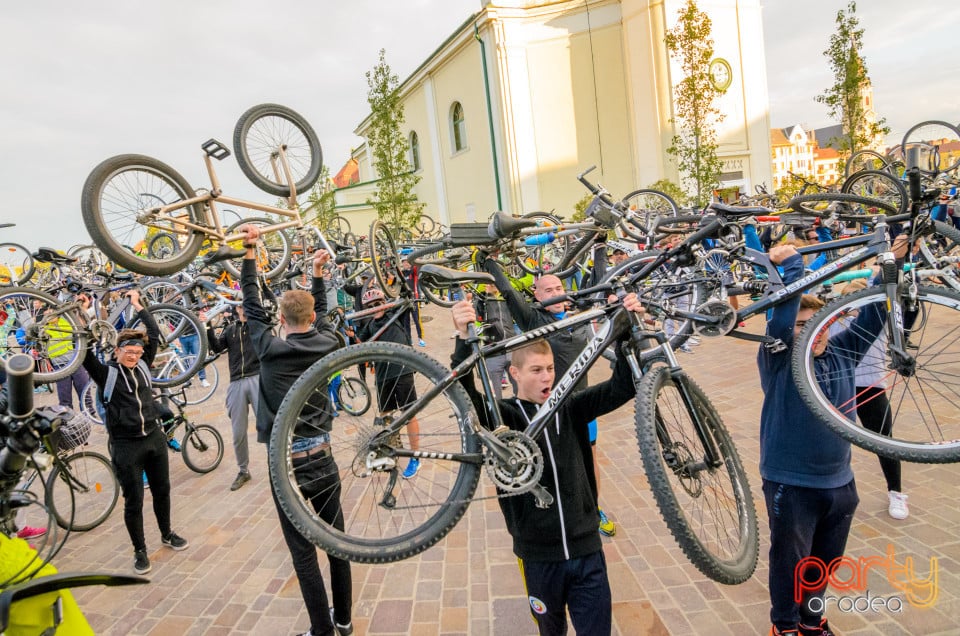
845,98
394,200
694,146
322,201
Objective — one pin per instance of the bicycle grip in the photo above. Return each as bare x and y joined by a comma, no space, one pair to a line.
539,239
20,385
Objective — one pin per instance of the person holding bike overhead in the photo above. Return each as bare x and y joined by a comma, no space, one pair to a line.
560,552
282,362
138,445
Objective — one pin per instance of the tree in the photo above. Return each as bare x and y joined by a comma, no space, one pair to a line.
694,146
394,200
845,99
322,200
670,189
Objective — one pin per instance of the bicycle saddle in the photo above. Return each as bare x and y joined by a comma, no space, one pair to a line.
49,255
223,253
439,272
503,225
738,210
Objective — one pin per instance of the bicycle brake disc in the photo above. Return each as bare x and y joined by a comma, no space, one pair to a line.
526,468
719,309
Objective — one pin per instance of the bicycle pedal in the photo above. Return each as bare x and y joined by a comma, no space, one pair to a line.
215,149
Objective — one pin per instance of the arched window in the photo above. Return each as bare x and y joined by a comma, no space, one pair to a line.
414,150
458,126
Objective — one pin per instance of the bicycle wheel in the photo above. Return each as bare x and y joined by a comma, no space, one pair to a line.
705,503
38,325
261,133
931,146
385,260
850,207
338,228
384,518
922,388
941,253
194,391
202,448
665,287
88,402
16,264
545,258
163,245
353,396
646,207
176,323
273,251
82,491
424,225
164,290
116,203
864,160
878,184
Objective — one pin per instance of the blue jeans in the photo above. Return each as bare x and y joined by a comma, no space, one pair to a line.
191,347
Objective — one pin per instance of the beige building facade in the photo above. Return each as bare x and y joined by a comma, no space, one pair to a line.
523,96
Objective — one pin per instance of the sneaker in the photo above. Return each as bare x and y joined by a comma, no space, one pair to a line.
898,505
607,527
141,563
174,541
174,445
29,532
242,478
823,629
686,348
422,343
204,384
741,324
342,630
412,468
504,383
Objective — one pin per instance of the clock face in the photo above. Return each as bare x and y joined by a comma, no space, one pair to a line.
721,75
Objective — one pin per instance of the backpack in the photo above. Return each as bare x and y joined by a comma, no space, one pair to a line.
112,373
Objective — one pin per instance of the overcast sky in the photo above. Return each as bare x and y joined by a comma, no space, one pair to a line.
83,81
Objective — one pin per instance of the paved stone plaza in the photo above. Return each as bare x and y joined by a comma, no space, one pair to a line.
236,577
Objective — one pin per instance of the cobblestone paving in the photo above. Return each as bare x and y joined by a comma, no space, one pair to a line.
236,577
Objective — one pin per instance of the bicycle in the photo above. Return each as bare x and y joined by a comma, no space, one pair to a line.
697,477
201,445
81,490
128,198
31,592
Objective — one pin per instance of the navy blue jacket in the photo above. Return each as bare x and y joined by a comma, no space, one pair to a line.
797,448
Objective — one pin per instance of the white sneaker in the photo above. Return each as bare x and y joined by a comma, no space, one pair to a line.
898,505
204,384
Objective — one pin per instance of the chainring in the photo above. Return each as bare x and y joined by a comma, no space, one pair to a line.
720,309
529,463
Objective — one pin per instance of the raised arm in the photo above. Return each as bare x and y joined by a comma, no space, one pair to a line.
520,308
261,330
153,330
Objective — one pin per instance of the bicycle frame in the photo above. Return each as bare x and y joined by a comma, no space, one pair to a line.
212,226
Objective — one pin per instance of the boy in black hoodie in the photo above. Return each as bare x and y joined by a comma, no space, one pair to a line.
559,549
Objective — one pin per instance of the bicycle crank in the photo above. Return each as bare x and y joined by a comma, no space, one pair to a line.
521,472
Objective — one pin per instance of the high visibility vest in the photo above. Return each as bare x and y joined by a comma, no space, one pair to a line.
61,335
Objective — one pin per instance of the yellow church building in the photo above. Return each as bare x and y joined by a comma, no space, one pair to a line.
525,95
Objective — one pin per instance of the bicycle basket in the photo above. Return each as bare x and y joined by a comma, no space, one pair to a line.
74,432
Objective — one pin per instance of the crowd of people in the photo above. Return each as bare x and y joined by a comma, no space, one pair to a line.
808,483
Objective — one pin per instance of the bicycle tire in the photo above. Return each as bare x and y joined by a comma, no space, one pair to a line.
538,260
88,402
273,250
425,225
878,184
51,335
725,548
923,403
94,497
16,264
864,160
932,253
176,322
385,260
162,245
202,448
260,132
114,196
164,290
803,203
423,509
917,144
354,396
194,392
338,228
646,204
681,290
